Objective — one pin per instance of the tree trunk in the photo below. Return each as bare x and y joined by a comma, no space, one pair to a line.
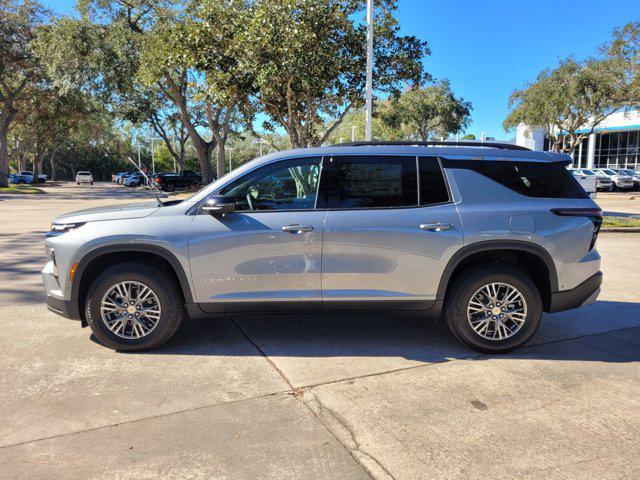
37,167
4,158
53,163
203,151
203,148
220,159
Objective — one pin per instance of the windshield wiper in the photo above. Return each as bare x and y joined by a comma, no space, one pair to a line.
153,188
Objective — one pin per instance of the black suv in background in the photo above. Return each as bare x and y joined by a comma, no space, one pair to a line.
170,182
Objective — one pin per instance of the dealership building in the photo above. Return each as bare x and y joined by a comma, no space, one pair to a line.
614,143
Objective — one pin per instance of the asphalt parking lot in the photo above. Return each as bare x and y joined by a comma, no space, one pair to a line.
312,396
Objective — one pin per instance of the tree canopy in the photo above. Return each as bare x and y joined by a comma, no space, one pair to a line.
427,113
570,101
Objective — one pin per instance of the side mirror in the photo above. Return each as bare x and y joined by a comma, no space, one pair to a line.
219,205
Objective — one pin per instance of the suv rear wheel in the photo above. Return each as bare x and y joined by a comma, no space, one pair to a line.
493,308
134,306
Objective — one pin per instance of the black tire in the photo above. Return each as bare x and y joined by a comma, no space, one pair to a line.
171,303
468,283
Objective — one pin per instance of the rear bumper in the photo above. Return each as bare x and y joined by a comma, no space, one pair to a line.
584,294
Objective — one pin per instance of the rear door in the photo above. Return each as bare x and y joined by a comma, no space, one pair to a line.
390,229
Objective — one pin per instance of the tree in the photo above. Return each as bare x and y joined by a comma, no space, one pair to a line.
570,101
102,54
44,118
203,44
19,22
428,113
354,122
624,47
308,59
469,136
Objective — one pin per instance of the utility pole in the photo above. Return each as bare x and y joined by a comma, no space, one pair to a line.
353,132
369,83
138,145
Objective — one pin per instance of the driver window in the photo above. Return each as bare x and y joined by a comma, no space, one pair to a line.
288,185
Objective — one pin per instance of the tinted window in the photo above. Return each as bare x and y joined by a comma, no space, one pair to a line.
374,182
432,186
288,185
533,179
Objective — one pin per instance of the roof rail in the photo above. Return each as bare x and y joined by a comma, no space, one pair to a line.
501,146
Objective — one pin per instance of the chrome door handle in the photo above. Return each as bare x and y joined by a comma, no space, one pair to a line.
298,228
435,227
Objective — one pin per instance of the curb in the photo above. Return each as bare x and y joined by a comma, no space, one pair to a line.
620,230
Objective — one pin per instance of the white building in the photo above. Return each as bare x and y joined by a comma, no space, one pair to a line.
614,143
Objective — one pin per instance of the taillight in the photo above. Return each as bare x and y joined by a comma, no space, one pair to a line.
593,214
158,180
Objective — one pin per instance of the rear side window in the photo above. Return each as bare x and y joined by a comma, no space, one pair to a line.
432,186
533,179
375,182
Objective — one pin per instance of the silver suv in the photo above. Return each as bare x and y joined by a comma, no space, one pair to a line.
486,235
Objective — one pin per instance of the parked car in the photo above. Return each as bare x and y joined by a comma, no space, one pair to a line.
602,181
134,180
84,177
586,180
116,176
490,244
170,182
42,178
122,176
635,176
620,182
18,178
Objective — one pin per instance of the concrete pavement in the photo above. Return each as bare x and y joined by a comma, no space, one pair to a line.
311,396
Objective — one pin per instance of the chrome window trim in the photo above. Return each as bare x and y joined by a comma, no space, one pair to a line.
195,209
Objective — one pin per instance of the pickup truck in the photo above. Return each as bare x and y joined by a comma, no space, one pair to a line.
169,182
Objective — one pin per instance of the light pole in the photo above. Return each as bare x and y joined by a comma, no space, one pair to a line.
138,145
353,132
369,82
230,165
153,157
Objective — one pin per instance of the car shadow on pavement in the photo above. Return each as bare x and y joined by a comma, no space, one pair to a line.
606,331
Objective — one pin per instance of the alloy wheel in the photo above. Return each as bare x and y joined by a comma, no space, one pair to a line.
497,311
130,310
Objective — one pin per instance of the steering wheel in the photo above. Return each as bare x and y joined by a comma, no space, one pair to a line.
250,201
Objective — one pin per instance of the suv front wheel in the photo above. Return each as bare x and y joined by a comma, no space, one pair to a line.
134,306
493,308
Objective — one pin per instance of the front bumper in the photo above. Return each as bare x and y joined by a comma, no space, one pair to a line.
584,294
55,299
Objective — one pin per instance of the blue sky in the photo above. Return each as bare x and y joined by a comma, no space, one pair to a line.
487,49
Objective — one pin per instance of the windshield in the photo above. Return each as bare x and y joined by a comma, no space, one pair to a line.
587,172
608,172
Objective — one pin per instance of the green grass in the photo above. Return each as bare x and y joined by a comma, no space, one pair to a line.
21,190
620,222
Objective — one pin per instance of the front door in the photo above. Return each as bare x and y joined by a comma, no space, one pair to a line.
390,229
269,250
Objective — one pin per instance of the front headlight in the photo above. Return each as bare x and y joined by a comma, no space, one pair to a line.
60,228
